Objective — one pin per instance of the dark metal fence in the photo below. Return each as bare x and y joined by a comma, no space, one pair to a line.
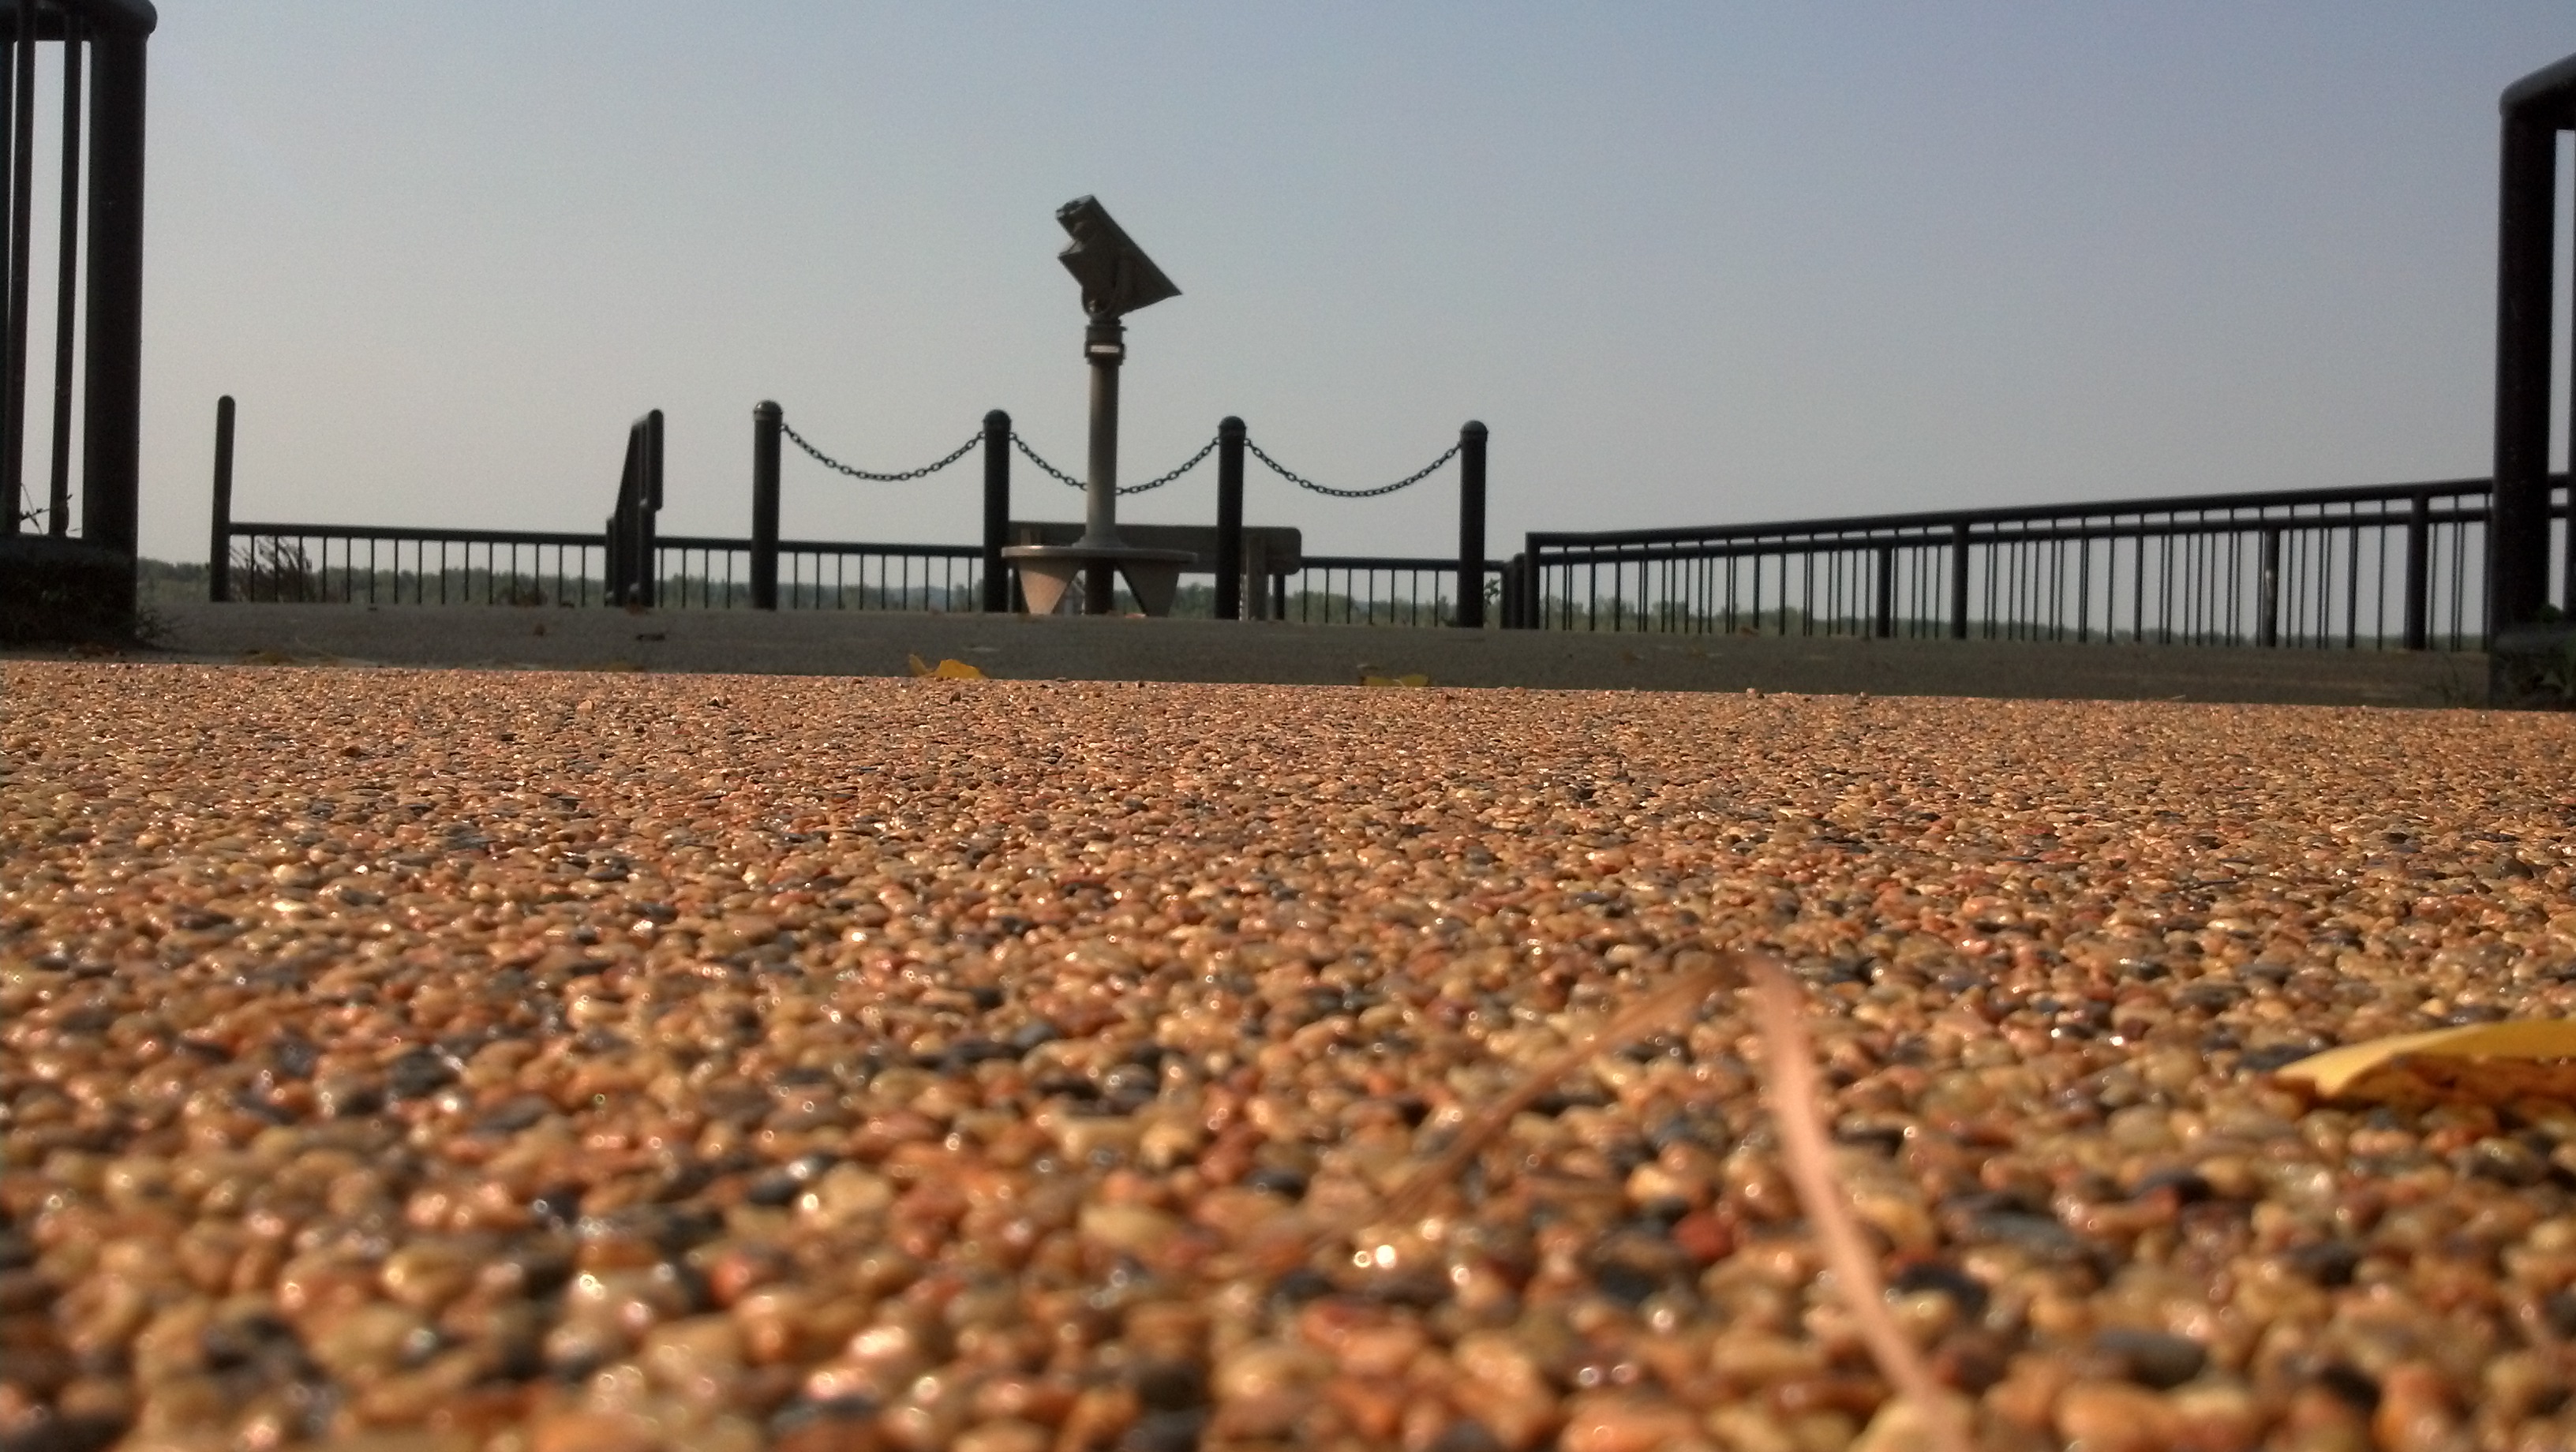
1377,590
2374,567
370,565
701,572
631,563
358,564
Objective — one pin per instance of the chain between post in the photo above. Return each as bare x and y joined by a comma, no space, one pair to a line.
1302,482
1061,477
1069,481
828,462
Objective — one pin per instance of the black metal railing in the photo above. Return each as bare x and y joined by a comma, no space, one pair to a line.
1375,590
388,565
382,565
2375,566
2378,566
702,572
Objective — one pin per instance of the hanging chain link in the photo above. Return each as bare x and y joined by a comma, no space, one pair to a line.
1061,477
1302,482
1064,478
828,462
1191,463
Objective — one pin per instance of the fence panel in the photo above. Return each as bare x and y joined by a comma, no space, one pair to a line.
1379,590
2378,567
350,564
819,575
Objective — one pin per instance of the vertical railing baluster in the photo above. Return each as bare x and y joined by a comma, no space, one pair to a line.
1959,581
2419,570
2267,623
1883,606
2084,588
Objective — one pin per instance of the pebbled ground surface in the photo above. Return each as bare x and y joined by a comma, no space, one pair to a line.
418,1060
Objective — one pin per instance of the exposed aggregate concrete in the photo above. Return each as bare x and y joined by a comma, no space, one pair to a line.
430,1060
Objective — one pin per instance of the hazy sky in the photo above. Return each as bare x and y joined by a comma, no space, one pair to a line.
1690,263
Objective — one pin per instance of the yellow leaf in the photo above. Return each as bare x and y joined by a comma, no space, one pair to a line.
1416,680
946,670
2492,1062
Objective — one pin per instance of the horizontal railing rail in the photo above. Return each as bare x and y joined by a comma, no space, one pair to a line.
2370,566
242,528
2013,513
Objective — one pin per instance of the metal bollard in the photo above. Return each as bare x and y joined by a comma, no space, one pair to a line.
1229,518
766,419
1471,526
219,542
996,598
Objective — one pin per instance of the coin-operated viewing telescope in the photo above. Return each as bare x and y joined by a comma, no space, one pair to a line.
1117,278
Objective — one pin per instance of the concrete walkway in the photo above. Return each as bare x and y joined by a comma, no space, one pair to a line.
1018,647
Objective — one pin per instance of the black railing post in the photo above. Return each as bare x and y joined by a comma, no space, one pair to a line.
22,180
1959,581
219,541
2419,572
765,419
2267,623
2567,572
996,596
1883,602
112,385
2518,517
10,521
1229,518
58,494
1471,525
